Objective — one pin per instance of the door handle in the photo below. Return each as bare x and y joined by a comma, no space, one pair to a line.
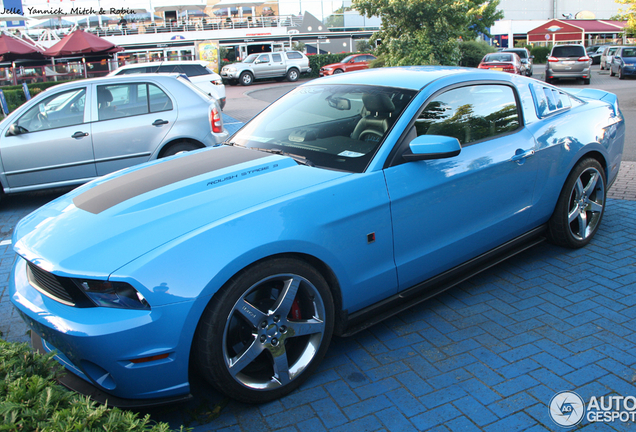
160,122
520,155
79,134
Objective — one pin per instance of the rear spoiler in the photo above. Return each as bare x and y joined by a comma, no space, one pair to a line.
596,94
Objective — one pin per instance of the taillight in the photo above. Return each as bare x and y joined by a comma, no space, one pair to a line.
553,59
217,82
215,120
584,58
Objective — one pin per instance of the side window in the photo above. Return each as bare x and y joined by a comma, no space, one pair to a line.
294,55
192,70
59,110
159,101
121,100
169,69
470,113
132,71
264,58
277,58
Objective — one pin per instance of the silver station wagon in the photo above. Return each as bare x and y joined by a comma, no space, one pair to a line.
74,132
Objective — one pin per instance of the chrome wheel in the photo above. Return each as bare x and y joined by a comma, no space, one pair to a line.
274,331
580,206
266,330
587,202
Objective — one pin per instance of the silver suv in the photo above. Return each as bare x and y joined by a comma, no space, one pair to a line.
568,61
288,64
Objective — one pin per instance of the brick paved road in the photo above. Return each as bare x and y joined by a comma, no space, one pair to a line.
487,355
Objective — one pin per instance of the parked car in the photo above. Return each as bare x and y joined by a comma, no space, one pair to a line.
74,132
503,62
346,201
607,55
527,60
348,64
624,62
197,71
568,61
288,64
595,52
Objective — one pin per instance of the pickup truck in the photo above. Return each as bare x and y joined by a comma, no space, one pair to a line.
288,64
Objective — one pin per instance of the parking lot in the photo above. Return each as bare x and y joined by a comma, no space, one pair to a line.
487,355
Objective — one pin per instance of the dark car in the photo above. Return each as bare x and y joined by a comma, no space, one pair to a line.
348,64
595,52
568,61
526,59
624,62
502,62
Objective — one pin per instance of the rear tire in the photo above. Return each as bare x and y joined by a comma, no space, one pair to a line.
586,81
292,75
179,147
611,72
580,207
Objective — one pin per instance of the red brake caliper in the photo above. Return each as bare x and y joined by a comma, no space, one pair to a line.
295,310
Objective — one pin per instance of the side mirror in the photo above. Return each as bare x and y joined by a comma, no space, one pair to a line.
532,57
15,129
428,147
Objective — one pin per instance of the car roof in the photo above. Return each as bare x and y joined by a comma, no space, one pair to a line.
161,63
410,77
159,77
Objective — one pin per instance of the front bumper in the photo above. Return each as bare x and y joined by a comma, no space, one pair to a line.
102,346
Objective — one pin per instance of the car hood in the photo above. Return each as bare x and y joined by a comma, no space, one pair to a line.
107,223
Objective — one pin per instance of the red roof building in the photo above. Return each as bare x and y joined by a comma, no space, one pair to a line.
573,31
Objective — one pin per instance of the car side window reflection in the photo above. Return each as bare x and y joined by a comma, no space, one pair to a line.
470,114
59,110
130,99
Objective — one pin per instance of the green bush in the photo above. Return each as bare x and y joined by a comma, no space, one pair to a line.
31,400
540,54
15,94
473,51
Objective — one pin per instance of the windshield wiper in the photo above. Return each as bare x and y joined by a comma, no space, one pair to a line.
300,159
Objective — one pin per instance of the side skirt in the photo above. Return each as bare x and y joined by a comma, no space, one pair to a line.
409,297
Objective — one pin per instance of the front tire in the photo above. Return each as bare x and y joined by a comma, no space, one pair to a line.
338,71
265,331
580,207
246,79
620,74
611,72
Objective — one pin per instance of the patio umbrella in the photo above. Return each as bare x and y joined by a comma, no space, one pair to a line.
81,42
16,49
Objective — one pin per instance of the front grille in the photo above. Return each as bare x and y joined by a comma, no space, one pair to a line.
49,284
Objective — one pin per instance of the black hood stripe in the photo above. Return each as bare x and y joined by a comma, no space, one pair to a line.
127,186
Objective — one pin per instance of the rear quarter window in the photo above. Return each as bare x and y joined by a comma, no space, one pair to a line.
549,100
294,55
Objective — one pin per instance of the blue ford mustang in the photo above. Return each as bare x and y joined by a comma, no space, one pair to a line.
346,201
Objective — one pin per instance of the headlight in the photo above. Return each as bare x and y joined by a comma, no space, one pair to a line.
231,69
112,294
327,69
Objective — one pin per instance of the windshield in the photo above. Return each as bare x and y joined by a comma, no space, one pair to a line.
250,58
333,126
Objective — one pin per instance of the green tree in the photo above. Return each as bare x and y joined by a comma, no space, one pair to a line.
628,14
417,32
